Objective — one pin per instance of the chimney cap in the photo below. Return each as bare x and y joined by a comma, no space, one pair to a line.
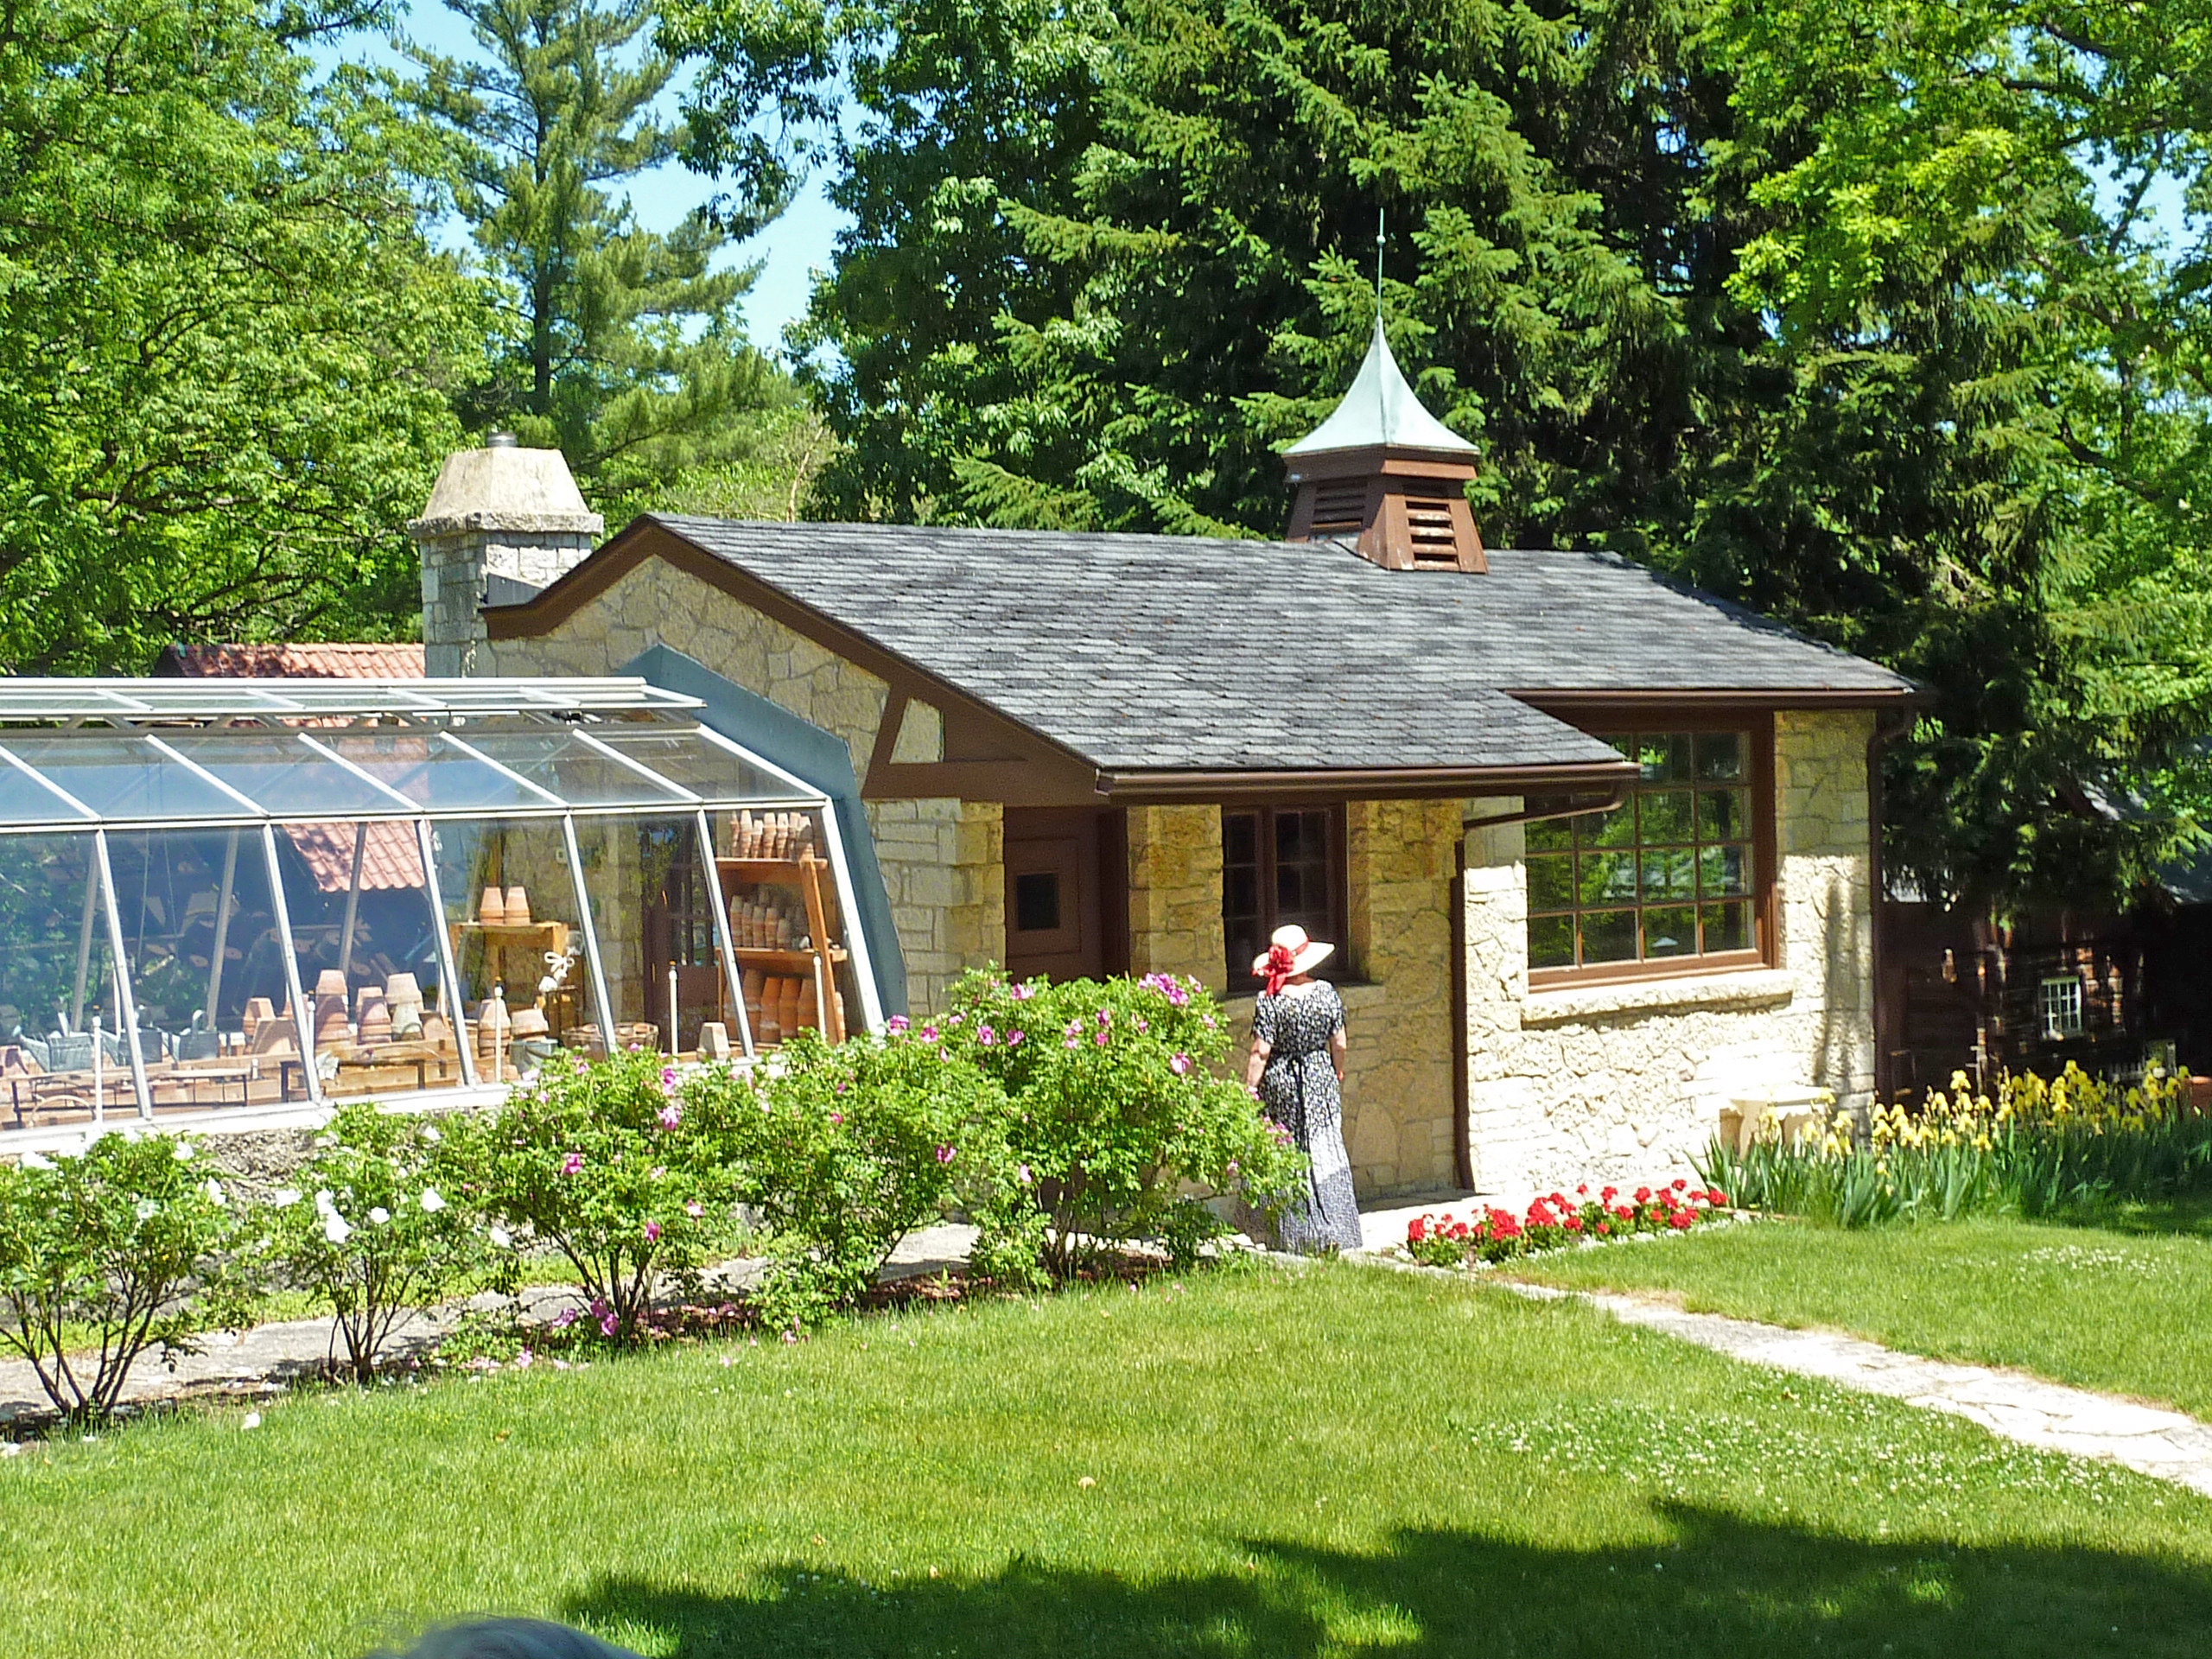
504,487
1382,412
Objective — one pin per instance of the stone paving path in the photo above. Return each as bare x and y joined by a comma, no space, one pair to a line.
2049,1415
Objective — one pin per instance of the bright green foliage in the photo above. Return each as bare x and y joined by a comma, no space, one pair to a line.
1830,308
625,349
366,1229
225,345
104,1252
847,1149
1257,1464
1115,1106
2072,1146
606,1163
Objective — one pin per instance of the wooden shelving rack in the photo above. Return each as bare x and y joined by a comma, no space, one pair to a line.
804,873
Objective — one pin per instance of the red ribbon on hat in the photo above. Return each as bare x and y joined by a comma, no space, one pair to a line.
1280,966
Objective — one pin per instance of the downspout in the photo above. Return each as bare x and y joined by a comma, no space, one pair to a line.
1887,726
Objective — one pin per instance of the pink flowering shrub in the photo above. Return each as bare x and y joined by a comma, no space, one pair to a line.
608,1163
1556,1221
843,1150
1116,1107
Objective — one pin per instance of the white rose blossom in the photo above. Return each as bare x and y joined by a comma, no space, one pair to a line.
216,1196
379,1215
335,1228
433,1201
500,1236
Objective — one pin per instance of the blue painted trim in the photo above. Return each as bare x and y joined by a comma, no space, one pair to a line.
799,747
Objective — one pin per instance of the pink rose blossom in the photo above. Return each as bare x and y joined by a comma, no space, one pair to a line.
1179,1065
671,1115
608,1326
652,1232
1103,1038
1015,1038
896,1022
1023,993
944,1155
1105,1016
985,1036
1143,1024
837,1117
929,1034
573,1163
1073,1042
694,1209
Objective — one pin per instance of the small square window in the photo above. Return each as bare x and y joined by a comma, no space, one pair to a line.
2060,1000
1037,902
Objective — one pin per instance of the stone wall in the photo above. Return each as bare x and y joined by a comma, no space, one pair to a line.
656,604
1628,1080
1175,893
945,865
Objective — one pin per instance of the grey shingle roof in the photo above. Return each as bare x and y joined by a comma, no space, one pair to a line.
1143,652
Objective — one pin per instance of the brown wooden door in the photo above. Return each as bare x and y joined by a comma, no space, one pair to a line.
1065,893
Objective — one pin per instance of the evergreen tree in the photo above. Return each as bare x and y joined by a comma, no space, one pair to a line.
1831,305
625,350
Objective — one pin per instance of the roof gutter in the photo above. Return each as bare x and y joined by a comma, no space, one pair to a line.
1167,788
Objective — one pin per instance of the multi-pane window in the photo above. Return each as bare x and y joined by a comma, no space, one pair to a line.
1280,865
1670,873
2059,1000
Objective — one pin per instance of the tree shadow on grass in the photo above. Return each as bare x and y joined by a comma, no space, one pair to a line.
2189,1216
1721,1585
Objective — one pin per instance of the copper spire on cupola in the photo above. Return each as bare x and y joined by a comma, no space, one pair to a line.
1385,476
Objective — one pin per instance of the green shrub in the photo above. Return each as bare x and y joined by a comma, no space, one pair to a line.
368,1229
609,1164
2068,1145
1115,1106
107,1252
843,1151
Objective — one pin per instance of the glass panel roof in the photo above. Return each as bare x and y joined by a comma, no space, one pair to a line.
186,764
432,771
120,777
37,699
563,763
279,772
698,764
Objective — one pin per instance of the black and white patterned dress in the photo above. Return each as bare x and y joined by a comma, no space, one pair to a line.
1298,1090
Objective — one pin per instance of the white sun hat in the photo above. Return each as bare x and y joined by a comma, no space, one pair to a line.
1305,955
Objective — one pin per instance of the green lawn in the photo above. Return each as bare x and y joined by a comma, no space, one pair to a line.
2120,1306
1341,1462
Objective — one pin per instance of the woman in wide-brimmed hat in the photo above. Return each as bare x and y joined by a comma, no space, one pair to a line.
1297,1064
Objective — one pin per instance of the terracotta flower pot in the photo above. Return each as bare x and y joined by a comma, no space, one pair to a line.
491,908
518,906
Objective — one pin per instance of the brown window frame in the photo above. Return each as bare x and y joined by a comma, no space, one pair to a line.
1759,727
1241,977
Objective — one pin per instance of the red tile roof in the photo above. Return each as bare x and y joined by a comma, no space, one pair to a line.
391,860
311,661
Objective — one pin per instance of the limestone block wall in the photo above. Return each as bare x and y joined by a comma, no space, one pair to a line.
454,567
1398,1107
945,864
1175,893
1628,1080
656,604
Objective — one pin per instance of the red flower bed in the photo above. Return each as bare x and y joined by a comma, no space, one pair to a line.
1557,1221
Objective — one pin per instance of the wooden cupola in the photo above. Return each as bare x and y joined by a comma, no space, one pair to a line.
1384,476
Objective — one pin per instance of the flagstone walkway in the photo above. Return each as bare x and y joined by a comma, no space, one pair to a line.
2026,1409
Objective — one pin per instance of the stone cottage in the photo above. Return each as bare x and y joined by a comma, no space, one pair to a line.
1598,848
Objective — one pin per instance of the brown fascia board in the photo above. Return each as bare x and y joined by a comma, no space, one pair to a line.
1575,705
1161,787
1391,460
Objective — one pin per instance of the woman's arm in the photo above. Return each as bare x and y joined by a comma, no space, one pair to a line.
1258,1063
1337,1051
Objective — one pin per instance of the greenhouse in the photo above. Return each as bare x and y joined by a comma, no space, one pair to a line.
237,899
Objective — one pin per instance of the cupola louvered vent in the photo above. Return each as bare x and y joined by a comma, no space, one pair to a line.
1385,476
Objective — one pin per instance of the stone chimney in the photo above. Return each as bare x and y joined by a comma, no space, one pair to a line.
500,516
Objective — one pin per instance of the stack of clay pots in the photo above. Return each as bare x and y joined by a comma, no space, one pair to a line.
773,835
372,1016
402,999
762,925
491,908
518,906
778,1006
332,1028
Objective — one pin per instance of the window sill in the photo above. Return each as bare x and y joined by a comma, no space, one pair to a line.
1741,987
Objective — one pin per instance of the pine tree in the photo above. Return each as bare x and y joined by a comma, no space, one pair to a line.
625,349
